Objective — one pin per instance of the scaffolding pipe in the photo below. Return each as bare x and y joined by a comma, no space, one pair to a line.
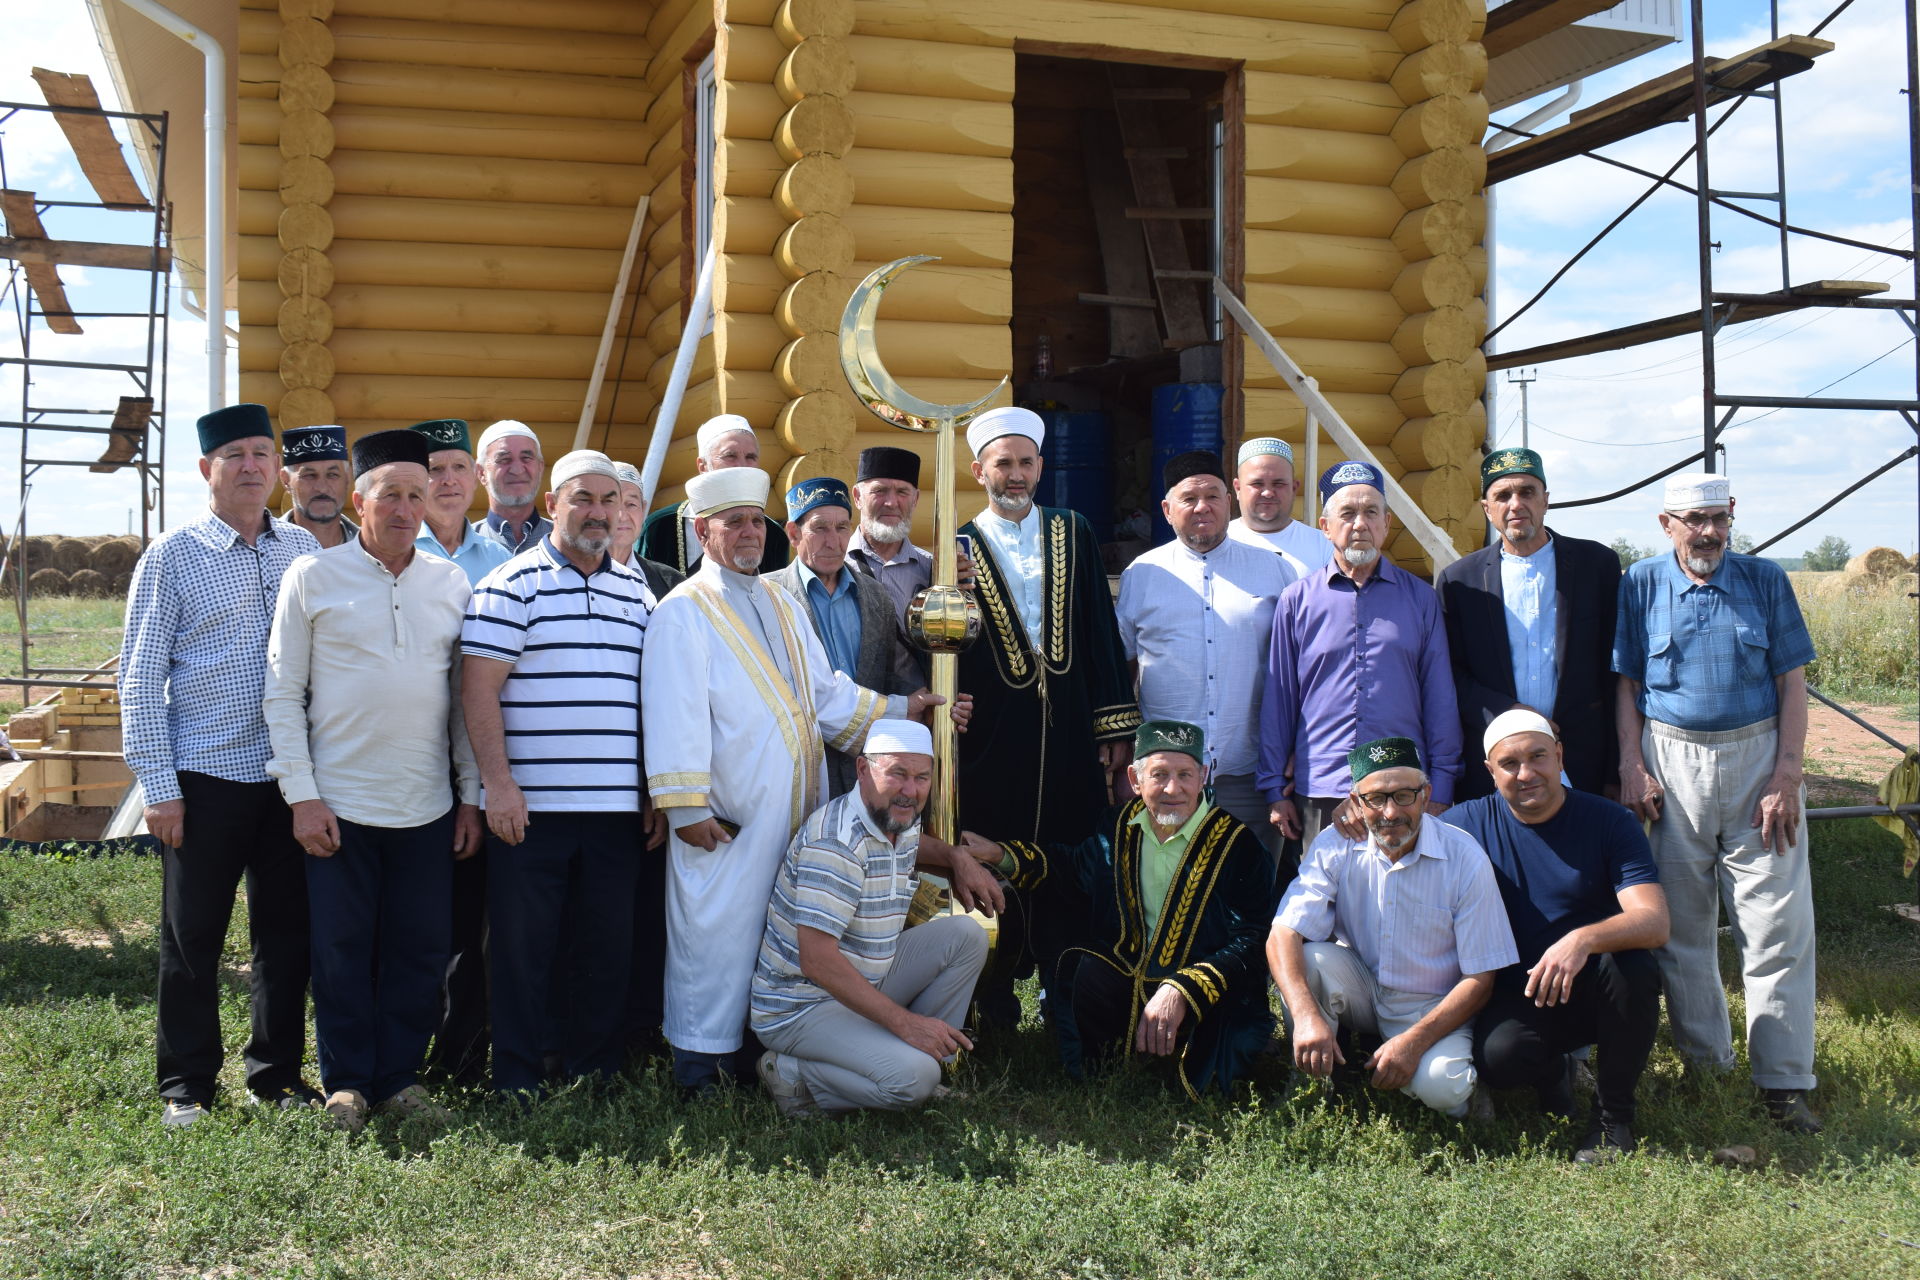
214,262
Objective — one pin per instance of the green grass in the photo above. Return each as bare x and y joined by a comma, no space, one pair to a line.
62,631
1866,642
1029,1175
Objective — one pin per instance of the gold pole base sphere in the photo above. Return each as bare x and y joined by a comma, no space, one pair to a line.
943,619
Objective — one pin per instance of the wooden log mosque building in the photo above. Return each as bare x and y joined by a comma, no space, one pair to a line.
434,196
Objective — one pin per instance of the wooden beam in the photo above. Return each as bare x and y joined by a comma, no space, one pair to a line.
1799,297
23,220
91,138
1520,22
38,250
1659,101
590,407
129,436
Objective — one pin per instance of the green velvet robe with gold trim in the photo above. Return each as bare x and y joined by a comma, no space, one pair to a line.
1029,761
1209,941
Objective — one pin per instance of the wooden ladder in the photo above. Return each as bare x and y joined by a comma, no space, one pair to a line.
1178,285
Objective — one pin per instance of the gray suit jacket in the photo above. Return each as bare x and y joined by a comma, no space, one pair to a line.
885,663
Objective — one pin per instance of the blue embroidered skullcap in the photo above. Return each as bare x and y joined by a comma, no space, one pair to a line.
821,491
313,444
1342,474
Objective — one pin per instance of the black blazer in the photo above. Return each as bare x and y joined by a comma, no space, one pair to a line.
1586,594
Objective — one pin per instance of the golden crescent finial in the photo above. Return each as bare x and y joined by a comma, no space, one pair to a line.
879,390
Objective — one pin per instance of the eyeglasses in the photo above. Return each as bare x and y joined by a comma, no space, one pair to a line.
1700,524
1377,800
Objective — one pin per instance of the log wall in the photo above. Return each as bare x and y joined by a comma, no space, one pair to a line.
435,194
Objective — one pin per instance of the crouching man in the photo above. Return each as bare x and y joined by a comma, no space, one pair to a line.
858,1011
1397,935
1175,894
360,708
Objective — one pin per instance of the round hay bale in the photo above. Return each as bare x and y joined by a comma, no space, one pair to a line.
95,539
120,584
47,582
1856,581
70,555
37,552
1878,562
89,583
114,556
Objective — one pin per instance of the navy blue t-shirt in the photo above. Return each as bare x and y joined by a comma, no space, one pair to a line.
1559,875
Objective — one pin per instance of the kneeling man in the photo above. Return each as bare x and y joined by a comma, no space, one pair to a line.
857,1010
1585,904
1397,935
1176,893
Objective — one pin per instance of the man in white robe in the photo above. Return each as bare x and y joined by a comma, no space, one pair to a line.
737,696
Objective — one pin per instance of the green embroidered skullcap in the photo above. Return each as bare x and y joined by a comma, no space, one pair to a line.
445,433
1511,462
1169,735
1382,753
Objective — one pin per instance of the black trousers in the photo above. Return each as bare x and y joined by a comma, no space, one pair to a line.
1615,1005
647,988
561,898
234,831
1105,1012
459,1050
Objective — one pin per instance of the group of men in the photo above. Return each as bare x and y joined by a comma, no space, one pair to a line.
538,793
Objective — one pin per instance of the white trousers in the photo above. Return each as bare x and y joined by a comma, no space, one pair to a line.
1708,851
851,1064
1349,995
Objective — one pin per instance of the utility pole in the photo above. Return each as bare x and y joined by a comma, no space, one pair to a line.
1515,378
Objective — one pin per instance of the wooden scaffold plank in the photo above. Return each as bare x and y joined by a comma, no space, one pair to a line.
23,222
91,137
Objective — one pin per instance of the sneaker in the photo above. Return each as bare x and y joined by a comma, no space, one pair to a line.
415,1103
791,1096
1788,1108
295,1097
181,1112
347,1108
1606,1141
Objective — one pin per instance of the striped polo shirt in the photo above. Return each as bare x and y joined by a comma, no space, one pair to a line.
571,706
842,877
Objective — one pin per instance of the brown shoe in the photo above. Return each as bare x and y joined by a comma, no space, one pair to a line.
1788,1108
415,1103
347,1108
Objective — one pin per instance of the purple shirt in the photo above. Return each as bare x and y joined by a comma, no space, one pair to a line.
1347,666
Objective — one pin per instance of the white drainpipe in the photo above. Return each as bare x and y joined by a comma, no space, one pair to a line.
215,255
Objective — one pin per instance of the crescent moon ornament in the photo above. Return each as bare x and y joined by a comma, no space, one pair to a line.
860,360
943,619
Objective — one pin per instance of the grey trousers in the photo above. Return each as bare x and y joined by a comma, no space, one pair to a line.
849,1063
1709,852
1236,793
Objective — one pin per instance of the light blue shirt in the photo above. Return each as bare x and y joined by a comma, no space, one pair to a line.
1419,924
1016,549
1527,585
477,555
837,616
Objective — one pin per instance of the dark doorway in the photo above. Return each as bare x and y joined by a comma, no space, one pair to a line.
1123,179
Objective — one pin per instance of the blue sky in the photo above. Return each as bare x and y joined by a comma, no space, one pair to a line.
1600,421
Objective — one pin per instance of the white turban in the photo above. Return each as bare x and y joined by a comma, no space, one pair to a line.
898,738
582,462
500,431
729,487
713,428
1691,489
1007,420
1518,720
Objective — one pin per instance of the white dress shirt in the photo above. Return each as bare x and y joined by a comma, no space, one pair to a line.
1199,625
362,684
1016,549
1301,545
1418,924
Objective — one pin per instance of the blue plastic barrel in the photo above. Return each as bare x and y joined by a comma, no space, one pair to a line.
1186,416
1077,473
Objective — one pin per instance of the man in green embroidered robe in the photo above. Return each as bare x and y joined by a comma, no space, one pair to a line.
1173,896
1055,707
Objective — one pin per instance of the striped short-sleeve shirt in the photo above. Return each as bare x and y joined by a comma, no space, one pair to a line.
571,706
842,877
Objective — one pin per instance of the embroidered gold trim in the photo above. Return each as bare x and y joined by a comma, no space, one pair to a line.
865,711
1058,595
679,780
1205,858
1010,638
799,735
1110,721
681,800
807,791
